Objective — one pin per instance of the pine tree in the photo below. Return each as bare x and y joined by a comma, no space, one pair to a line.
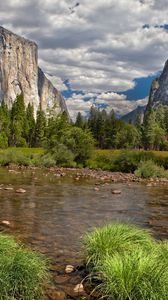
80,122
18,122
153,134
40,128
4,125
30,128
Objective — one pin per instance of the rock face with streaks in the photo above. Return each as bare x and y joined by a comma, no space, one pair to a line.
159,89
19,73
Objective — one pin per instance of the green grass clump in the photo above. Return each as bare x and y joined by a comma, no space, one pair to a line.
113,238
22,271
150,169
137,276
126,263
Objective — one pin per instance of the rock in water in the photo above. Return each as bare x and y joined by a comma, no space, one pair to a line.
69,269
116,192
4,222
79,289
19,73
21,191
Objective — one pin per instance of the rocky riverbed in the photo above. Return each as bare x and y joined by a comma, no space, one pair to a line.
100,176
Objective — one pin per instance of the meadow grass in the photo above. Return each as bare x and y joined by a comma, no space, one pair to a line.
21,156
126,161
126,263
22,272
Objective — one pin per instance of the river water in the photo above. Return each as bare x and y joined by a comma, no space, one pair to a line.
55,212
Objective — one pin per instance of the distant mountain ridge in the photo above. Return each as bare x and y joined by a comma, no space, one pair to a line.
135,114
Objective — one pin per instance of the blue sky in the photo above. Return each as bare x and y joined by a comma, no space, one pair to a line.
141,89
104,52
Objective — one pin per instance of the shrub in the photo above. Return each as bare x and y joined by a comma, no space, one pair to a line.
150,169
61,155
80,142
111,239
22,271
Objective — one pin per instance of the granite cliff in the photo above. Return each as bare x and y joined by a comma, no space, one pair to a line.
158,96
159,89
19,73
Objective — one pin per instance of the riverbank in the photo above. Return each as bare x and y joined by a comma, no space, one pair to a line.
144,164
101,177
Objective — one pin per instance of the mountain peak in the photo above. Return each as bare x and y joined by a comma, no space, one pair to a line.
159,89
19,73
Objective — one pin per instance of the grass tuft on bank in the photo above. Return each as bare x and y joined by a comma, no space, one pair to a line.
125,262
22,272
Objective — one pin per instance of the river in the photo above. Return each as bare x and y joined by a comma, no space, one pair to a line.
55,212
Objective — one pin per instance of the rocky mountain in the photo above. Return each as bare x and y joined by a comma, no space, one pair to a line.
159,89
135,114
158,96
19,73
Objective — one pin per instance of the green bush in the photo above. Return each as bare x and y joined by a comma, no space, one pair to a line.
61,155
150,169
80,142
111,239
22,271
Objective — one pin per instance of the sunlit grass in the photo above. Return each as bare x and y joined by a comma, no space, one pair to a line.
126,160
126,263
22,271
23,150
113,238
138,276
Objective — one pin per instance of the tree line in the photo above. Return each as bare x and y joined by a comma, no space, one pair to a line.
112,133
19,128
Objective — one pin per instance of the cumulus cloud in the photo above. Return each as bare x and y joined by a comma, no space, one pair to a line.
77,103
99,45
111,101
57,82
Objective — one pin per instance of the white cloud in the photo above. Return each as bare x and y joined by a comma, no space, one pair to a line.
125,106
99,45
57,82
77,104
118,102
